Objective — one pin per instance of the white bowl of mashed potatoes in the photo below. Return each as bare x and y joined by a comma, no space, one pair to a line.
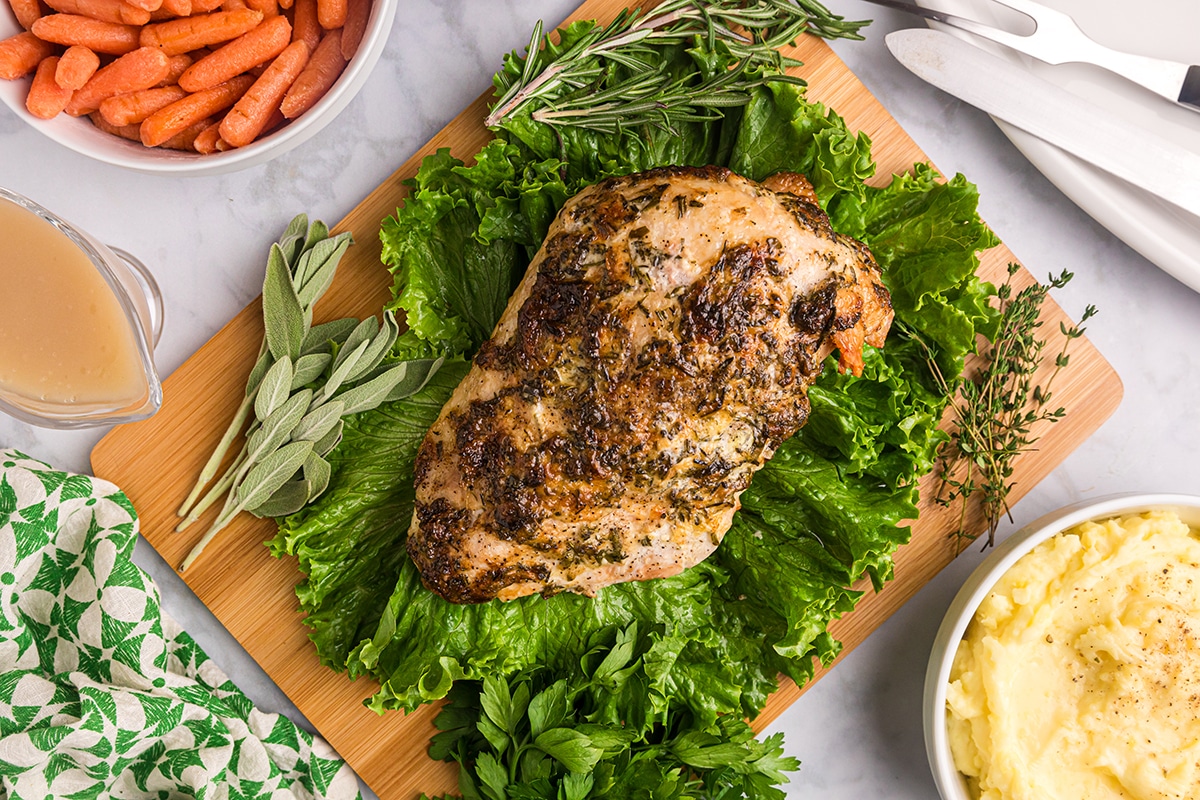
1068,665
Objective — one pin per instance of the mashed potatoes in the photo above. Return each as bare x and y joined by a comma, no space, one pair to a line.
1079,676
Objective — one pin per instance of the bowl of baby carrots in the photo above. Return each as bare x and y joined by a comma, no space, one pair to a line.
186,86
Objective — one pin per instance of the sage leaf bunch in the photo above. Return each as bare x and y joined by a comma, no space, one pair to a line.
306,380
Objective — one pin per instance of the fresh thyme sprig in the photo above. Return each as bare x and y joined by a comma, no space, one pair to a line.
997,408
576,87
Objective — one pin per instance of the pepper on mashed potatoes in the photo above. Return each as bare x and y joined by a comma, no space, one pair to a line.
1079,676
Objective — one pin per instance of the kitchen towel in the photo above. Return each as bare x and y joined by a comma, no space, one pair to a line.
101,693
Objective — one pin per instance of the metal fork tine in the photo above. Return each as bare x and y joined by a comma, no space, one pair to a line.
1029,8
1048,22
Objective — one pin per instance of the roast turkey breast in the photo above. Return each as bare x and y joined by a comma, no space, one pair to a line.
656,353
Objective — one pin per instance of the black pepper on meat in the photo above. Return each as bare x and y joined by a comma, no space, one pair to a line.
657,352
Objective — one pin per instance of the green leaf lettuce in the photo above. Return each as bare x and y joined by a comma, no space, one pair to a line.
827,510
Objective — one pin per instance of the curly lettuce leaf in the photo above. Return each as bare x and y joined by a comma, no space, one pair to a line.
782,132
350,544
424,643
455,246
928,233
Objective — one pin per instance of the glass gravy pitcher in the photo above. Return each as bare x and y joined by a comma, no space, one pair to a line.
78,324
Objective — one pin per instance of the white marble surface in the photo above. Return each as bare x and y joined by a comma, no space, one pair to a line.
858,732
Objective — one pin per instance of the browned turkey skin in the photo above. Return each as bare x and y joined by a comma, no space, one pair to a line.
656,353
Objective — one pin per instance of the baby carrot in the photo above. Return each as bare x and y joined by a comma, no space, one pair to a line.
133,107
130,132
115,11
147,5
357,12
276,120
186,138
246,120
331,13
20,54
179,8
46,99
26,11
269,8
132,72
177,65
248,50
76,66
206,141
305,27
205,6
181,35
323,68
166,122
98,36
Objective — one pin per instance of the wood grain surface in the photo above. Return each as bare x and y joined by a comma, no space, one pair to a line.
156,461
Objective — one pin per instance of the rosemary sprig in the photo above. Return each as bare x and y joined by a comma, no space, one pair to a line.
997,408
306,380
575,86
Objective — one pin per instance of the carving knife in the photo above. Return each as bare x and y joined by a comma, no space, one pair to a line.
1051,113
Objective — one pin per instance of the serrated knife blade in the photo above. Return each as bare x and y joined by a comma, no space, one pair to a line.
1051,113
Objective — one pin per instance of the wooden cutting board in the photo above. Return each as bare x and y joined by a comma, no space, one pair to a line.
156,461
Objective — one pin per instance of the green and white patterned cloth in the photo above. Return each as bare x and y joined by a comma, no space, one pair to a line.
102,694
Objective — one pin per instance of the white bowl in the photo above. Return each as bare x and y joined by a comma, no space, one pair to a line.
950,782
80,135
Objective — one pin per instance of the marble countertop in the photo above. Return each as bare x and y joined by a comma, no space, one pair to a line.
858,731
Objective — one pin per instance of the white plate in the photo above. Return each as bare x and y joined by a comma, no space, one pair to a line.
1164,234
